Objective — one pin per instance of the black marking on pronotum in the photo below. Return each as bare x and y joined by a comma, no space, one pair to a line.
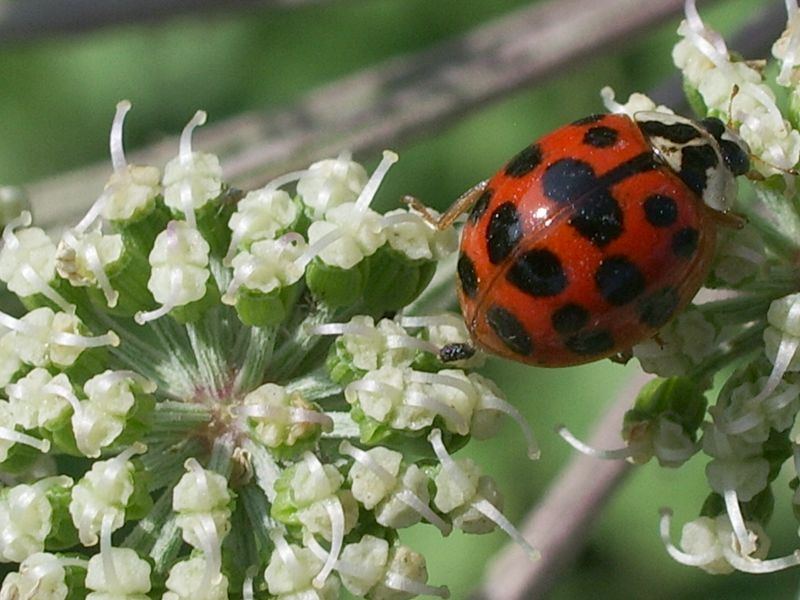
467,276
538,273
503,232
619,280
525,161
480,206
695,163
679,133
510,331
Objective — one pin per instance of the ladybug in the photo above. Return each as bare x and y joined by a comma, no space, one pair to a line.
591,239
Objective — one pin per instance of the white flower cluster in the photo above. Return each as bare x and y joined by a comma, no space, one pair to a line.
250,423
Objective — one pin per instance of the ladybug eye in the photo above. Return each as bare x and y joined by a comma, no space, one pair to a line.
735,157
713,126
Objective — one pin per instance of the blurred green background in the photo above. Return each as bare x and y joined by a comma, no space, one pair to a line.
57,99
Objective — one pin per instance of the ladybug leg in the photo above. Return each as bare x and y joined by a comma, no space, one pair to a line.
622,358
729,219
464,202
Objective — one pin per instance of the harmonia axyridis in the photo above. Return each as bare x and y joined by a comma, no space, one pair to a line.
591,239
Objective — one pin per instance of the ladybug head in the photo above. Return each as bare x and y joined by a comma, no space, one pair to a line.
734,150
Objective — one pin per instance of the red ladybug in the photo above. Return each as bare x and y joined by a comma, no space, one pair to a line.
590,240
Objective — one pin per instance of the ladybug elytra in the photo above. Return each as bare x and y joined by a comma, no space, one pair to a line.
591,239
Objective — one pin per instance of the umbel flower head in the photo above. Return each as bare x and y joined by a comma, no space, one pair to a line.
211,394
743,334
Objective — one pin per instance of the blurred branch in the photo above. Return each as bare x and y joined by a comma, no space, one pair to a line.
383,105
27,20
559,525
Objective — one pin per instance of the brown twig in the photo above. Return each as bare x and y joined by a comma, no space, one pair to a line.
383,105
559,524
32,19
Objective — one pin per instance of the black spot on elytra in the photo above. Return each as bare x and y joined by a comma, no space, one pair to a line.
684,242
598,218
590,342
467,276
569,318
680,133
538,273
695,163
480,206
619,280
600,136
657,308
524,162
503,233
509,330
568,179
660,210
588,119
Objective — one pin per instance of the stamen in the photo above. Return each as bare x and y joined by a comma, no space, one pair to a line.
333,507
401,583
106,552
282,180
407,342
115,141
12,435
23,220
368,193
714,48
185,144
374,387
783,358
63,338
314,249
462,385
176,281
248,593
454,418
756,566
409,322
404,494
363,458
744,537
93,213
32,277
344,328
492,402
491,512
690,560
435,438
400,218
285,551
583,448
